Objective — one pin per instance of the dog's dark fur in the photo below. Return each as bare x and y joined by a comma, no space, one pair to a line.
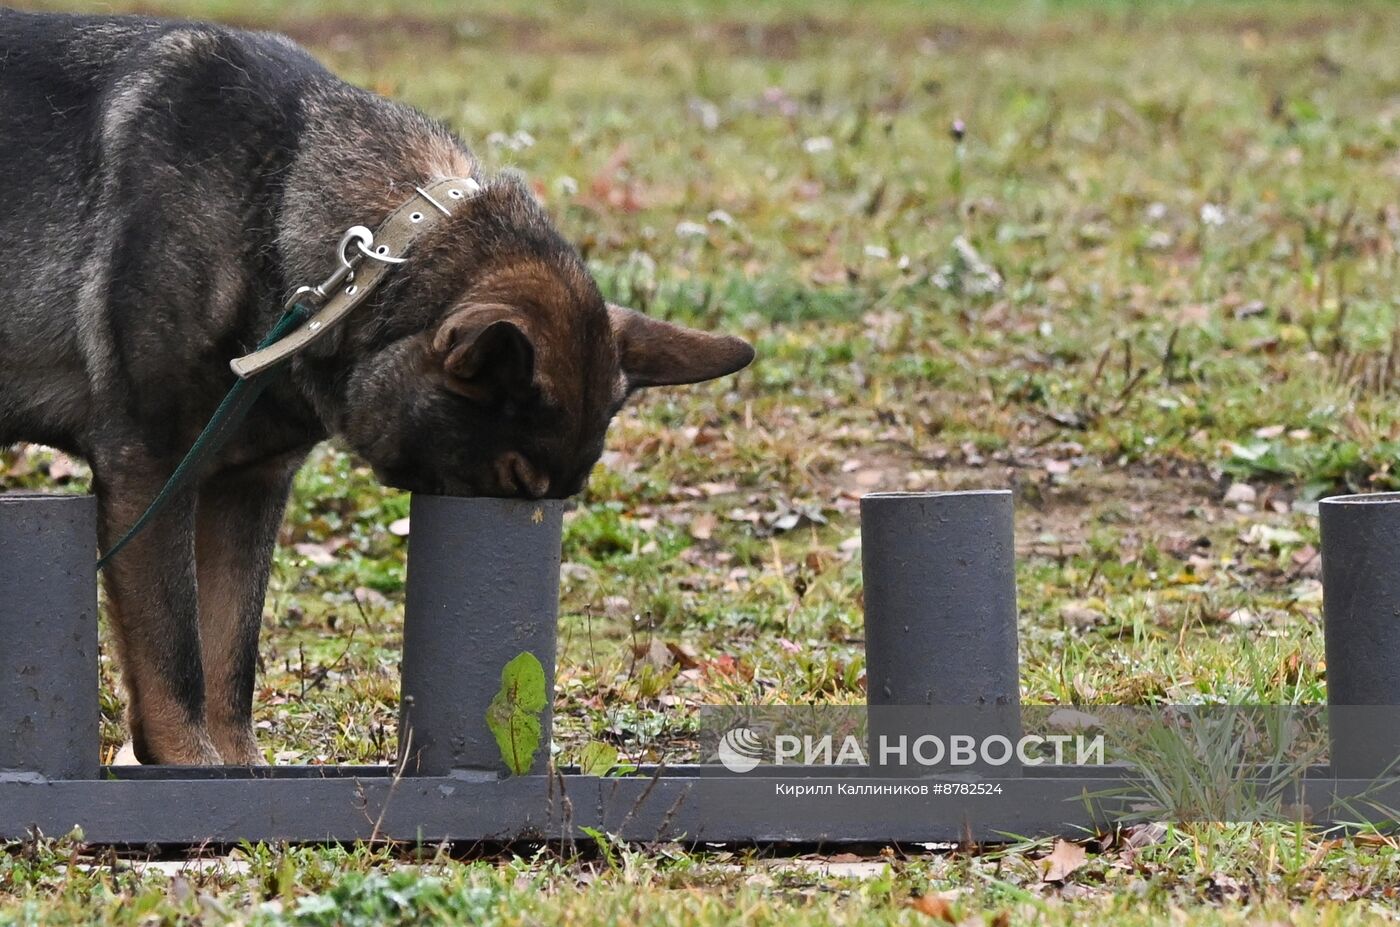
167,185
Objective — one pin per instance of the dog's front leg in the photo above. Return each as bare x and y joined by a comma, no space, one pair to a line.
240,511
154,610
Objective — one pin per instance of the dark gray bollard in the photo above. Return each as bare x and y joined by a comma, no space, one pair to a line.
940,606
1361,626
48,635
483,587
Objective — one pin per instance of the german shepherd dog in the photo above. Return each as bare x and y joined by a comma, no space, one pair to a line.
167,185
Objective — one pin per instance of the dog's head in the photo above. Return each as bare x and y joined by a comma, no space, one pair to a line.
501,364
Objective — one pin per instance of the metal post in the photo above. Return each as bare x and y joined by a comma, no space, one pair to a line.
483,587
940,609
48,636
1361,627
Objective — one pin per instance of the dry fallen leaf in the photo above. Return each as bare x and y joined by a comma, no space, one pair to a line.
717,489
1241,494
1221,887
934,906
1194,314
869,479
617,606
1079,616
656,654
316,553
685,655
62,468
1070,719
1063,860
726,666
702,527
367,596
1145,835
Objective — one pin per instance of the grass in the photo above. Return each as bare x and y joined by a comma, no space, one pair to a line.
1157,259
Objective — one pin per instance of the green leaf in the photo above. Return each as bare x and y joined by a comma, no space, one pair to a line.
514,714
597,759
600,759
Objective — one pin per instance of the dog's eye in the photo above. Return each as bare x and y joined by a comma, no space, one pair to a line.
510,408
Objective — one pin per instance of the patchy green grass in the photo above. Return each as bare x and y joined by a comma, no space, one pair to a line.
1156,258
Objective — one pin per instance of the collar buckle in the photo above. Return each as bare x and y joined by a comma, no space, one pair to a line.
334,298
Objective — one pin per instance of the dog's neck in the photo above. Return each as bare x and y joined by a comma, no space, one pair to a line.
343,176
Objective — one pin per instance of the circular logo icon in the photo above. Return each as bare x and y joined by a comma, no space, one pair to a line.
740,749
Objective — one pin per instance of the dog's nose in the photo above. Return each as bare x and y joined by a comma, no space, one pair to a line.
517,475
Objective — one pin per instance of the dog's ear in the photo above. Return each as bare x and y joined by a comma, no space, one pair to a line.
485,353
656,353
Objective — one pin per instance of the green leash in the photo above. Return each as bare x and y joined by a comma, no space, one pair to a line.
226,418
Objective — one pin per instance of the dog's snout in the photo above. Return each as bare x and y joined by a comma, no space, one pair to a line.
517,475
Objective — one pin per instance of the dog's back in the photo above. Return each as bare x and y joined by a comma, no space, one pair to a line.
108,127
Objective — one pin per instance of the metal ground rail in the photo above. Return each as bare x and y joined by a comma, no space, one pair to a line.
482,588
340,804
